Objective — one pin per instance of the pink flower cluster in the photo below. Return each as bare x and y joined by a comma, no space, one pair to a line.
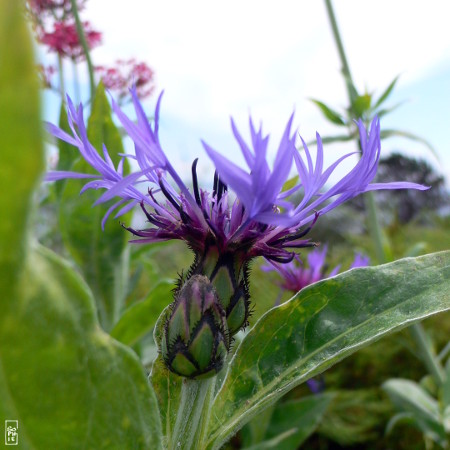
64,40
55,27
126,73
53,7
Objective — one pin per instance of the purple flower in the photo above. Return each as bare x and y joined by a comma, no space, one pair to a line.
225,231
360,261
296,275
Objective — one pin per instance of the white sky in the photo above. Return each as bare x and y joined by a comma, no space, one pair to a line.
216,59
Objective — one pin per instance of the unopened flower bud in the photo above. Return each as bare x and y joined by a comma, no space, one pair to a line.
195,339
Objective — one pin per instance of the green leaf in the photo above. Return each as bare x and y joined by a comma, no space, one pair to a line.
166,384
361,105
140,318
405,418
293,422
21,151
386,93
354,416
60,371
332,115
446,387
382,112
409,397
321,325
331,139
387,133
254,431
102,256
290,183
416,249
167,388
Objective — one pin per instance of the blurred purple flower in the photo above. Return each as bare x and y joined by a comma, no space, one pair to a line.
360,261
296,275
316,385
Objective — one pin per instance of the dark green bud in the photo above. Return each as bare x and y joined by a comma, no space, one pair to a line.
195,340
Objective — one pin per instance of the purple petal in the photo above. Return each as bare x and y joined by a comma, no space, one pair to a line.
248,155
396,185
232,174
60,134
110,210
55,175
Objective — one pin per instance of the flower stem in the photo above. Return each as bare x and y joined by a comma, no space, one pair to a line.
193,413
62,88
83,42
76,82
374,227
426,352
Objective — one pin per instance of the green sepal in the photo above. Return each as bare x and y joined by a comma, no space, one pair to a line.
332,115
224,286
237,315
182,365
202,346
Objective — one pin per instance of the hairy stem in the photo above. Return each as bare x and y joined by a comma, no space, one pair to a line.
193,412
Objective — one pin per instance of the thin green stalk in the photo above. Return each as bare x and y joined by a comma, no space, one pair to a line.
340,47
428,357
444,352
76,82
192,416
83,42
374,227
62,88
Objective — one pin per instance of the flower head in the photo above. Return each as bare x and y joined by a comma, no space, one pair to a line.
296,275
225,232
